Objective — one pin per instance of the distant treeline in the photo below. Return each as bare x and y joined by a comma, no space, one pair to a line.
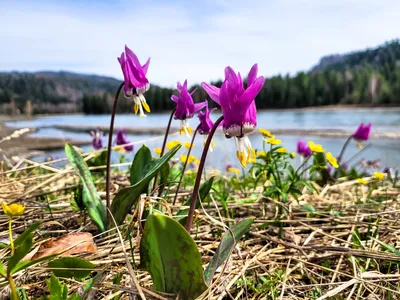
370,77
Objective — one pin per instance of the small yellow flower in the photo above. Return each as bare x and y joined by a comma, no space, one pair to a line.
13,210
273,141
282,150
234,170
265,132
194,159
183,158
188,145
362,181
332,160
189,172
190,159
262,154
379,175
172,144
316,147
157,150
292,154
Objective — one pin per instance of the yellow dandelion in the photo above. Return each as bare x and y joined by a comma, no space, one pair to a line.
315,147
362,181
265,132
13,210
282,150
332,160
233,170
379,175
273,141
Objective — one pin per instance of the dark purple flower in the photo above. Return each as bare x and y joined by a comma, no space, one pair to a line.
97,142
122,140
135,80
238,108
329,169
185,107
303,149
206,124
362,132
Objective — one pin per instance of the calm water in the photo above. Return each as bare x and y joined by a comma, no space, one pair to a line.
383,120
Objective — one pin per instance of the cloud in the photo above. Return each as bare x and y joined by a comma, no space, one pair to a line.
189,41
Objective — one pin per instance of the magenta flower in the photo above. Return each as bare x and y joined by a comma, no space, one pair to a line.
362,132
97,142
303,149
185,107
135,81
206,124
238,108
121,139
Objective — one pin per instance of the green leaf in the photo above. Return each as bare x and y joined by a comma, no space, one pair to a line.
387,247
91,200
170,255
27,263
142,158
58,291
2,271
164,173
204,190
308,208
225,247
127,197
71,267
23,245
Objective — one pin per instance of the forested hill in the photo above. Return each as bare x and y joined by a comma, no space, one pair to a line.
367,77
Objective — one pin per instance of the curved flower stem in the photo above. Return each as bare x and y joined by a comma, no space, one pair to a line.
163,145
199,172
184,165
341,155
11,237
110,134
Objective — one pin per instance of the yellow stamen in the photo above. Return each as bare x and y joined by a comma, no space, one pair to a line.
242,158
135,108
146,106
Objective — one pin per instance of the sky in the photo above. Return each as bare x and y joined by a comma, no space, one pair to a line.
189,39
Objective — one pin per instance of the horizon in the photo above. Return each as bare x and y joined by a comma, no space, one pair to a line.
290,37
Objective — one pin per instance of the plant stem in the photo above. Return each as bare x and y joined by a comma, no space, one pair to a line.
184,165
199,172
11,237
14,295
163,145
341,155
110,134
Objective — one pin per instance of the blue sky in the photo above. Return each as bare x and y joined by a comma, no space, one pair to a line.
189,39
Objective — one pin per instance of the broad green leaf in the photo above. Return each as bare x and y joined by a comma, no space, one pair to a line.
204,190
91,200
58,291
225,247
2,271
142,158
164,174
127,197
71,267
170,255
23,245
27,263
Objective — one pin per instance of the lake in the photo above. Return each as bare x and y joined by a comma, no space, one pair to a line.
383,120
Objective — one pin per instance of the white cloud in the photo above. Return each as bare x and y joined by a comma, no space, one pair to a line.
191,42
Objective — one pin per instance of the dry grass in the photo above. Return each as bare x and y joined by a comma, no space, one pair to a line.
332,252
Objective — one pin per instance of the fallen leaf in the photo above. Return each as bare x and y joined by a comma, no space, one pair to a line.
76,243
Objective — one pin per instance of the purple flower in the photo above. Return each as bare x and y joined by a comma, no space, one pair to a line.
206,124
238,108
122,140
185,107
135,80
97,143
303,149
329,169
362,132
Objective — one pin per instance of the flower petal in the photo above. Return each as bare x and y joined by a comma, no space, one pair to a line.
252,75
199,106
212,91
146,66
251,92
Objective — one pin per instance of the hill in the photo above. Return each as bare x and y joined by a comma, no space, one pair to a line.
366,77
